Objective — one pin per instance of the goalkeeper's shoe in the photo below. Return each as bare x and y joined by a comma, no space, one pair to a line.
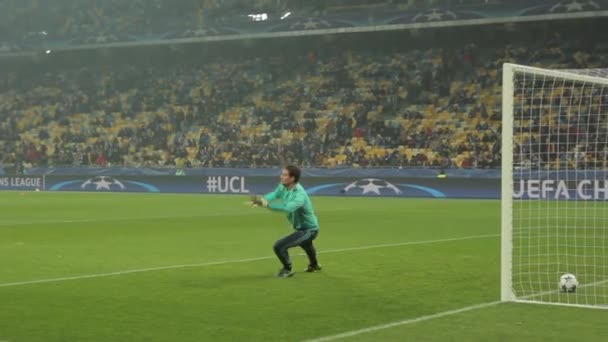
313,268
285,273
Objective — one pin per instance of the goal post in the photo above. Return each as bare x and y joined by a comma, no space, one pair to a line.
554,201
506,240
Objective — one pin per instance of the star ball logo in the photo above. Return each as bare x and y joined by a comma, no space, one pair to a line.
376,187
569,6
104,183
372,186
435,15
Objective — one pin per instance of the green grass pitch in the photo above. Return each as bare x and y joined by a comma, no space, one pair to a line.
385,260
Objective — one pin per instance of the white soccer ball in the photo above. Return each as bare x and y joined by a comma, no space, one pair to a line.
568,283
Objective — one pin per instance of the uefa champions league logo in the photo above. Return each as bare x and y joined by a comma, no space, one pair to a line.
377,187
575,6
372,186
435,15
102,183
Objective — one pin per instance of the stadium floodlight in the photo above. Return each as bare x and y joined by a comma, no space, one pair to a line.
555,186
258,16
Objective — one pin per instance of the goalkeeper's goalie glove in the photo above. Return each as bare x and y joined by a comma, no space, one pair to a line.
259,202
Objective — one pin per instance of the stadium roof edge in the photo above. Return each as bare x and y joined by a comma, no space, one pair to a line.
317,32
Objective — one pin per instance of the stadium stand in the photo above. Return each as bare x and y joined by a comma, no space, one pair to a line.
408,107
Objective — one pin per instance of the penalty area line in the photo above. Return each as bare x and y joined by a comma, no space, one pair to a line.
403,322
237,261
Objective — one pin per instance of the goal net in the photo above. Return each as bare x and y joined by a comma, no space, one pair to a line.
555,186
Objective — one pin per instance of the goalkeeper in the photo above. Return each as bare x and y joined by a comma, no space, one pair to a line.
290,197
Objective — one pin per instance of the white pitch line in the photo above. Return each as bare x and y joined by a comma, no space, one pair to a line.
524,300
403,322
528,299
399,244
213,263
140,270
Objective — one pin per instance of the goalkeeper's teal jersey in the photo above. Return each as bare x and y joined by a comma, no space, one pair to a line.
296,203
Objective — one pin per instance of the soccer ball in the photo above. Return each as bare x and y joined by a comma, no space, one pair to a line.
568,283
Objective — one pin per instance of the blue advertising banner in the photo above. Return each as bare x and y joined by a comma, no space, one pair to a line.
323,186
551,186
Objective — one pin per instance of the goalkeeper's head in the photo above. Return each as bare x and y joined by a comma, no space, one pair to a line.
290,175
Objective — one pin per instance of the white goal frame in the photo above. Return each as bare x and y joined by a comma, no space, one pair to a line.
507,292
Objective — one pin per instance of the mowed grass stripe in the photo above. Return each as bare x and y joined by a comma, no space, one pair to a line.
224,262
379,283
524,300
148,218
132,218
403,322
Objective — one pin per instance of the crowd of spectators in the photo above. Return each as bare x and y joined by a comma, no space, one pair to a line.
562,126
426,107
